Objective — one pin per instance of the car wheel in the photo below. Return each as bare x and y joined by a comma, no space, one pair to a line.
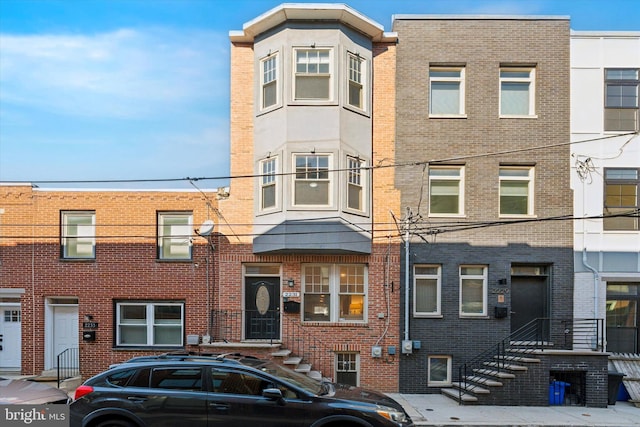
115,422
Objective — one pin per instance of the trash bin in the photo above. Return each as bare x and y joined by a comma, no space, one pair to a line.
556,392
615,379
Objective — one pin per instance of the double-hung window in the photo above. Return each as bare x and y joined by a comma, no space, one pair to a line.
78,234
517,91
149,324
268,183
335,293
355,184
426,290
312,74
473,290
516,191
621,207
446,190
174,235
356,72
446,91
347,368
269,76
312,186
621,99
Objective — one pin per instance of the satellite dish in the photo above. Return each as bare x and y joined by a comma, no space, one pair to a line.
206,228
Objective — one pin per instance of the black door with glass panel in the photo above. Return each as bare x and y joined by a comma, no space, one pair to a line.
623,333
262,308
529,296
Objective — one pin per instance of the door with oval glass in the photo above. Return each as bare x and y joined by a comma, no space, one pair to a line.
262,308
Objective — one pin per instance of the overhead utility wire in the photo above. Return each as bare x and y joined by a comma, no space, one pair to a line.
379,166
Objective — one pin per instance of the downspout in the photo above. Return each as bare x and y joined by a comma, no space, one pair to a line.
406,280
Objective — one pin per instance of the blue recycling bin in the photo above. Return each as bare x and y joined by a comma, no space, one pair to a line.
556,392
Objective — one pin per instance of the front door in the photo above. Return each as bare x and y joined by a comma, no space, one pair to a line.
262,308
65,330
529,301
10,337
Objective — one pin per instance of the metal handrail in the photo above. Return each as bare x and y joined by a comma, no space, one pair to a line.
532,337
68,364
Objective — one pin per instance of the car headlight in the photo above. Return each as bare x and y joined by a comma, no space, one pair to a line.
392,414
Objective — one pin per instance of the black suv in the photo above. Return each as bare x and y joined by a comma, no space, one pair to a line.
224,390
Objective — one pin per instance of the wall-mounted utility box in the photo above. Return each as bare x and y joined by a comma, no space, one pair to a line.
376,351
500,312
193,339
391,350
407,347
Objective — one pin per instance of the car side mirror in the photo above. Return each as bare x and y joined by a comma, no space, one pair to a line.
273,394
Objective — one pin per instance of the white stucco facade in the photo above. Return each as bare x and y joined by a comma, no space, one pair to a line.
601,256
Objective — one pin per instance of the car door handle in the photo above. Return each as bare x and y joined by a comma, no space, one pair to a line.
219,406
137,399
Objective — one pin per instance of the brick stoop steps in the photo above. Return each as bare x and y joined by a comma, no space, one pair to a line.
496,373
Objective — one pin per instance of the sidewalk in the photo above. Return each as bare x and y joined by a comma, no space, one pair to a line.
438,410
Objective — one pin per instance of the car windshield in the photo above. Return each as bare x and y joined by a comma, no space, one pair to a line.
303,381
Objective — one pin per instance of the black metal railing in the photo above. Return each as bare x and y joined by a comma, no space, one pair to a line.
535,336
231,326
68,364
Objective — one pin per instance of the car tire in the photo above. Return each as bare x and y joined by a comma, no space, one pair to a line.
115,422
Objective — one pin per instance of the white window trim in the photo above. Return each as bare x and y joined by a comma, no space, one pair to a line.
149,323
462,113
438,278
532,90
161,237
461,185
364,82
357,362
431,383
331,74
276,184
88,237
334,294
530,191
330,180
276,56
484,277
363,185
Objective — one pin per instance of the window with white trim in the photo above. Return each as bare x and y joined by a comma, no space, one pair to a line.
268,183
149,324
347,368
355,184
334,292
174,235
621,206
446,91
312,74
516,191
446,190
78,234
269,80
312,183
473,290
439,371
517,91
356,81
426,290
621,99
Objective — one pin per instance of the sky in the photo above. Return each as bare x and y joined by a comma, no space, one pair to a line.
135,93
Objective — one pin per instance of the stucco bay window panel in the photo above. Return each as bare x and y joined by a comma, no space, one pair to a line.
516,191
312,183
174,235
621,199
313,69
621,99
446,91
149,324
78,234
473,291
446,190
517,92
334,293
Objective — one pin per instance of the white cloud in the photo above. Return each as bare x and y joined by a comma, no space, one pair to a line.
123,74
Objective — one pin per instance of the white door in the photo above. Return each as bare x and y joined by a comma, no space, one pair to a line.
10,337
65,330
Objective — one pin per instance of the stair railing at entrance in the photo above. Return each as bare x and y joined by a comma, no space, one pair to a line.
537,335
68,364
